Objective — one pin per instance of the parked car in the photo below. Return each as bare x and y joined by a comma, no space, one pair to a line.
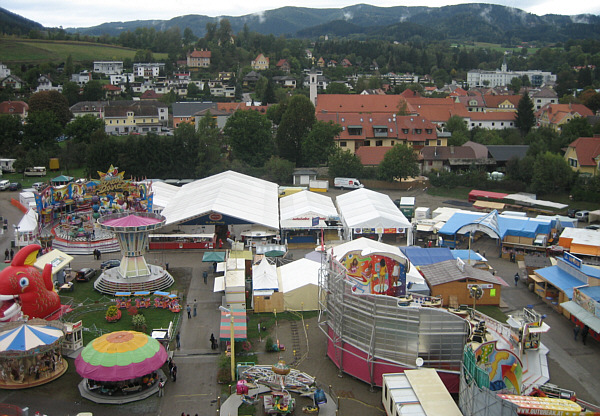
595,227
583,215
85,274
571,212
109,264
38,186
15,186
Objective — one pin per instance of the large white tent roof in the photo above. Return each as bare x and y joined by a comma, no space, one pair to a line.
364,208
229,193
163,193
299,273
305,204
582,236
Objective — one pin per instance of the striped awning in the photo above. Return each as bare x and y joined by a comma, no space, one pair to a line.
239,325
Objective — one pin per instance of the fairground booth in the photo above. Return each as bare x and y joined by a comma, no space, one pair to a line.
366,213
308,217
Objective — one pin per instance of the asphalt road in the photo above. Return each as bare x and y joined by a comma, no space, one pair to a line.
571,364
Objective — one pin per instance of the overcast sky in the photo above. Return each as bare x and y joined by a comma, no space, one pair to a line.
86,13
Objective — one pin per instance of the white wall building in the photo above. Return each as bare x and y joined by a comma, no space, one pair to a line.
4,71
502,77
108,67
148,70
118,79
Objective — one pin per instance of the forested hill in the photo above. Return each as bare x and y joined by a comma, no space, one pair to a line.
464,22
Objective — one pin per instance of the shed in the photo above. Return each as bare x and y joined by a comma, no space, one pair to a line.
304,176
266,296
454,278
299,282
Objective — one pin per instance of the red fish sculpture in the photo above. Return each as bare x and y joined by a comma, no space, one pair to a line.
24,290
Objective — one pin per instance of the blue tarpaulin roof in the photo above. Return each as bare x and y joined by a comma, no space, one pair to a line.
591,291
560,279
422,256
522,227
464,255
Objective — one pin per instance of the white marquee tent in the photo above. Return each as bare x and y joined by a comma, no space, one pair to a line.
243,198
299,209
264,278
299,282
365,209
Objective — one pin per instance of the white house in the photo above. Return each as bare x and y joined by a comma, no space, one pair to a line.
108,67
148,70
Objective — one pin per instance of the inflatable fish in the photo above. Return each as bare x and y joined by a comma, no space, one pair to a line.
24,290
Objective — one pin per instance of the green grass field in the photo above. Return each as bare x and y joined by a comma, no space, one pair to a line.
13,50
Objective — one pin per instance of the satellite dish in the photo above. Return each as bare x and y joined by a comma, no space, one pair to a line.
476,292
419,362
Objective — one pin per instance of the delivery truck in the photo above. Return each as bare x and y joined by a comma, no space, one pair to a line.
347,183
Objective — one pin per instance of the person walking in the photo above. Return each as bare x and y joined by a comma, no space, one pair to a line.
517,277
6,254
174,372
195,307
12,254
170,363
584,333
177,340
205,276
189,311
161,388
576,331
213,342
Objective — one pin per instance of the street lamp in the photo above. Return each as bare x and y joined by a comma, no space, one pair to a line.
232,339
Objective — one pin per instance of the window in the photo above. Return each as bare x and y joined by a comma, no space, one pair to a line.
380,131
355,130
418,131
439,142
429,131
379,143
342,144
405,131
572,162
393,142
493,124
367,143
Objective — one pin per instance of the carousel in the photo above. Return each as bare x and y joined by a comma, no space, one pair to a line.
30,354
121,367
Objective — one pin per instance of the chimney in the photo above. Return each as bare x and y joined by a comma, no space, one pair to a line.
451,150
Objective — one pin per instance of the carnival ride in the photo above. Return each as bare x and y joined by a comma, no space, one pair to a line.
30,354
146,299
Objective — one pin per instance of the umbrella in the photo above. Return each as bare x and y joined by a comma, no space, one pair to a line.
121,355
27,337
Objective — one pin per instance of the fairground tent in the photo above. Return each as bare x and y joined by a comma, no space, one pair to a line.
300,285
298,210
264,278
162,194
364,209
225,198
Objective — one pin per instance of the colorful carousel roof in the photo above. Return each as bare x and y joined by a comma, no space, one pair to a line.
27,337
121,355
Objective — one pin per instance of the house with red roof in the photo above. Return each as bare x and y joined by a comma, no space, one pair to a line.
494,120
199,58
448,158
260,63
14,108
501,102
346,63
284,65
555,115
111,90
350,103
438,110
583,155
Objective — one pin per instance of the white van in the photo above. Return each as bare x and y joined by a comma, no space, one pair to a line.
347,183
4,184
583,215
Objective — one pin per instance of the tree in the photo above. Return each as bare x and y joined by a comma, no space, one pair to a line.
296,123
11,129
188,36
249,136
515,85
269,95
52,101
336,88
345,164
320,143
80,130
575,128
192,90
92,91
551,174
71,92
210,147
460,133
525,118
279,170
399,162
41,130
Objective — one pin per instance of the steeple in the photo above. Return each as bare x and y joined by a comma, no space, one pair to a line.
504,67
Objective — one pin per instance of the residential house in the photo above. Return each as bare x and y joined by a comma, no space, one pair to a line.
284,65
374,66
285,81
260,63
495,120
122,79
321,62
219,116
182,76
82,108
501,102
544,96
583,155
397,79
370,91
346,63
108,67
233,107
126,117
501,154
220,90
12,81
4,71
225,76
81,78
309,54
322,82
449,158
473,103
251,78
112,91
199,58
148,70
332,63
45,83
150,95
14,108
437,110
555,115
350,103
184,112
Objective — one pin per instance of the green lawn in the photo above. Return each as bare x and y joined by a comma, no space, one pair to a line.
38,51
27,181
91,306
454,193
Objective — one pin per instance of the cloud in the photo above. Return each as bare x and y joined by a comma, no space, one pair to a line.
348,16
260,15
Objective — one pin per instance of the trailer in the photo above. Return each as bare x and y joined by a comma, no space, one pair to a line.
318,186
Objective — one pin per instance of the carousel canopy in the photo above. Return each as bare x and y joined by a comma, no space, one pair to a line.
27,337
121,355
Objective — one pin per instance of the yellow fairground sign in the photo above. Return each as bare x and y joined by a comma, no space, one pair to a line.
543,406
